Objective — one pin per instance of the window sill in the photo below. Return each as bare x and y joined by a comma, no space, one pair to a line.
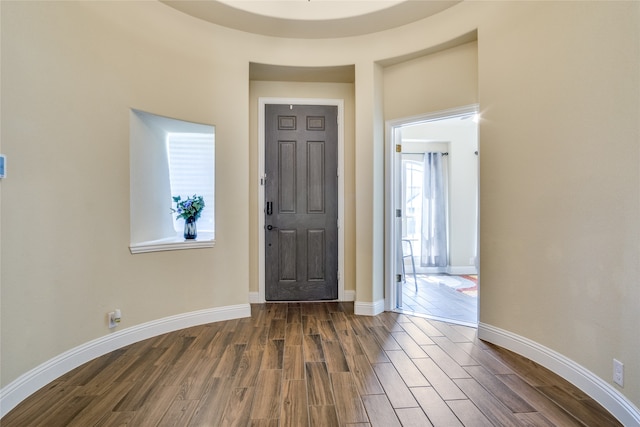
204,240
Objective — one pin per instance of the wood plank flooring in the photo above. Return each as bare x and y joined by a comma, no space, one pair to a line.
311,364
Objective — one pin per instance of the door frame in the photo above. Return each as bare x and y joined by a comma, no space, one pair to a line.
392,223
262,102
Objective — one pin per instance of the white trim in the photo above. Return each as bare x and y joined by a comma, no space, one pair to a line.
349,295
392,222
30,382
254,298
368,308
437,115
261,170
601,391
173,244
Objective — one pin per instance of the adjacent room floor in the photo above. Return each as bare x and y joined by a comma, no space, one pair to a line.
442,296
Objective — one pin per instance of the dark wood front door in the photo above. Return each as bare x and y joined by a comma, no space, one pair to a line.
301,209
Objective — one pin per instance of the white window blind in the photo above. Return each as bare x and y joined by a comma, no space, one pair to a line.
191,171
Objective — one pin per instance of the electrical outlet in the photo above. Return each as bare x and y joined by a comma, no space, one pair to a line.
112,319
618,372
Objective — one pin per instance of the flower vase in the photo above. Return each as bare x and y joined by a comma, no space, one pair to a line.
190,230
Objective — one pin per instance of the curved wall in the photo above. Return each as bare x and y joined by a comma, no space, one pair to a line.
559,140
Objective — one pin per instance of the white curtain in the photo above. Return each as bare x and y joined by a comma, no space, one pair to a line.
434,212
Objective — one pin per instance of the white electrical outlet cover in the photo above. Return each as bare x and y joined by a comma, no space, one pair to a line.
618,372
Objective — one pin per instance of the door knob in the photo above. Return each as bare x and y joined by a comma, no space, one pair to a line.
270,227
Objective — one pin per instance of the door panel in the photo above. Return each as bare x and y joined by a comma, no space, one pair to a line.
287,240
287,177
315,182
316,255
301,192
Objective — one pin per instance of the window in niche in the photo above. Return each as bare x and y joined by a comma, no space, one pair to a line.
169,157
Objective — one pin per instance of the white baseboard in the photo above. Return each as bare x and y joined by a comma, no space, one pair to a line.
462,269
30,382
349,295
368,308
599,390
254,298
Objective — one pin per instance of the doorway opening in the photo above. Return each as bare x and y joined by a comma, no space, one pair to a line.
432,249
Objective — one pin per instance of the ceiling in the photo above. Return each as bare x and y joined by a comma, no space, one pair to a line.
311,18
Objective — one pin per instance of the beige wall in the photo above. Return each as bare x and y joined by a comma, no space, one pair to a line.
439,81
559,175
559,141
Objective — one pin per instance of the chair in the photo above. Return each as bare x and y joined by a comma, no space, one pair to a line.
406,243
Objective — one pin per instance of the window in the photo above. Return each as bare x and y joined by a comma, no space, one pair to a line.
190,157
169,157
412,198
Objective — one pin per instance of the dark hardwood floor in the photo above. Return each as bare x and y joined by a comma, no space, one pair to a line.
311,364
